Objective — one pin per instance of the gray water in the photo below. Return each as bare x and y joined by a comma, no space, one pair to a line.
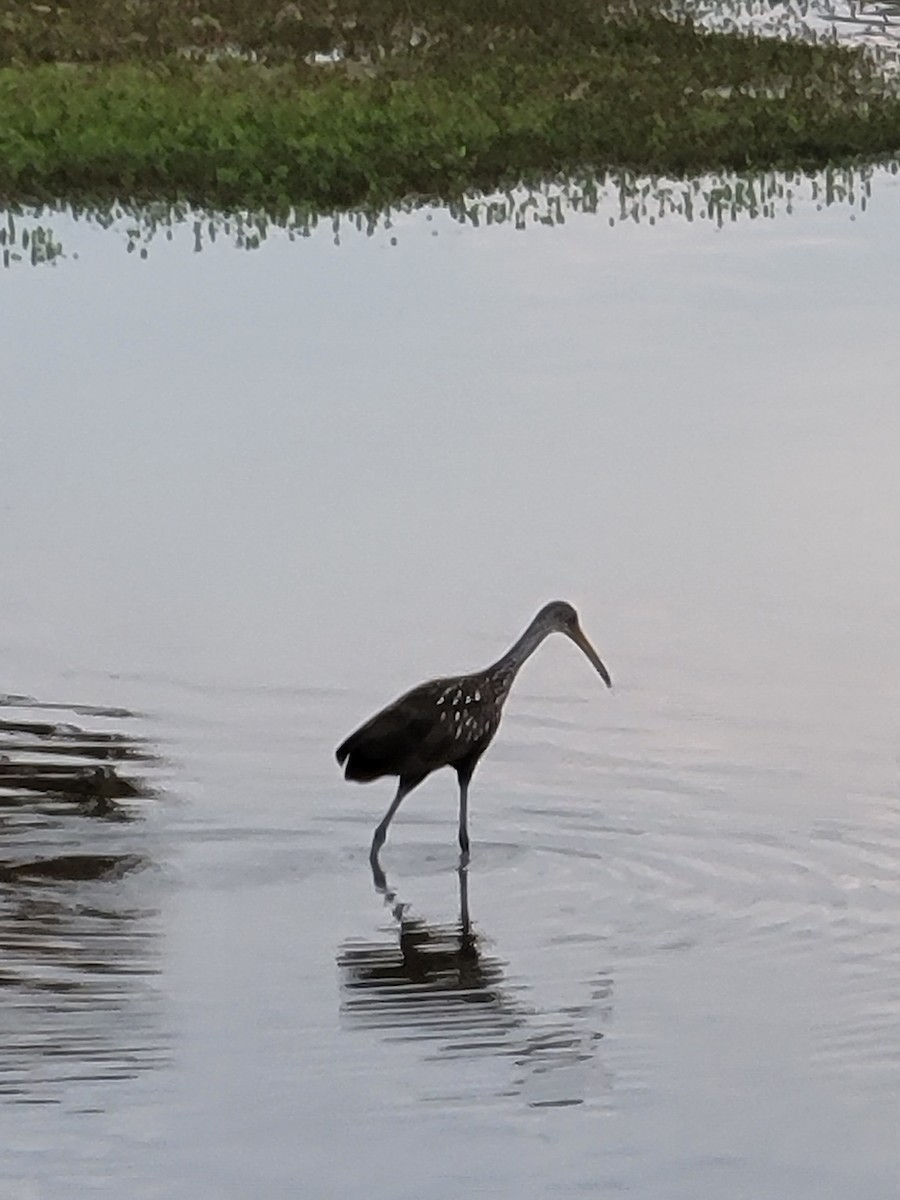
248,498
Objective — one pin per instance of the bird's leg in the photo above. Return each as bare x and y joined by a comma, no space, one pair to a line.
464,819
404,787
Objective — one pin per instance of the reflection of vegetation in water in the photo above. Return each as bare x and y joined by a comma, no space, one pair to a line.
437,983
77,948
23,238
33,235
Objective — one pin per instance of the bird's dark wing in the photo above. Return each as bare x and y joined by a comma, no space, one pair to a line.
406,738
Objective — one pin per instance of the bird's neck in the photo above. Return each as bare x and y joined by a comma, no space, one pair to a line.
507,668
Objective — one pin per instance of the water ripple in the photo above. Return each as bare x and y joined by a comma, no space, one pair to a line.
78,940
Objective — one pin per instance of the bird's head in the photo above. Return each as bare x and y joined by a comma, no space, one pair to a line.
560,617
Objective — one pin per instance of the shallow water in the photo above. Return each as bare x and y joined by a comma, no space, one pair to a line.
249,498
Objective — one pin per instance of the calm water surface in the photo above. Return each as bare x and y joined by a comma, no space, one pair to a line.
248,498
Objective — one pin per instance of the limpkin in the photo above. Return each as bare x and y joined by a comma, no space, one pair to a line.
449,722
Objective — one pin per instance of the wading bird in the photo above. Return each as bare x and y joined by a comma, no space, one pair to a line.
449,722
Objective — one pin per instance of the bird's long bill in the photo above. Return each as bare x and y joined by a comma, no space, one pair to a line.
578,637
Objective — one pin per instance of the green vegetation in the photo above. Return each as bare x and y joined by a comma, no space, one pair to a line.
220,104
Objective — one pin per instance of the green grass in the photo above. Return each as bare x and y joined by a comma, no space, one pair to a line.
490,94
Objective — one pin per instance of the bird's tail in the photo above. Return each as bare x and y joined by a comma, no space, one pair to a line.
343,750
361,766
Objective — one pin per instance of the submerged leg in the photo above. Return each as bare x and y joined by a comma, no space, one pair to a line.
464,922
404,787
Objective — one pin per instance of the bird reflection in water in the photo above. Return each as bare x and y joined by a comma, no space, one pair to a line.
436,983
78,944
